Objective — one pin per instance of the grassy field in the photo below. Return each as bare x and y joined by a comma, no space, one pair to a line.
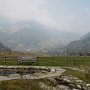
52,61
63,61
45,61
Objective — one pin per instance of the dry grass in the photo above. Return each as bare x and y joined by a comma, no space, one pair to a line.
20,85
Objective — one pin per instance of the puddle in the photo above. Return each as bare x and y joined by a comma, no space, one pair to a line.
20,71
27,72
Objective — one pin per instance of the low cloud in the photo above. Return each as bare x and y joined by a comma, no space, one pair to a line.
38,10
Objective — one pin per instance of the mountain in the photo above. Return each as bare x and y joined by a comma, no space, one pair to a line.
81,45
31,35
3,48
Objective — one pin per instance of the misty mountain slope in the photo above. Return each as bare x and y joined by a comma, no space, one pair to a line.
3,48
81,45
25,34
31,35
87,35
32,31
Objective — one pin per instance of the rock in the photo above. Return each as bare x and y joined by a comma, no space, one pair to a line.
75,89
79,81
71,85
66,80
63,77
43,71
88,88
53,70
52,80
88,85
75,78
14,76
63,87
59,80
84,88
78,86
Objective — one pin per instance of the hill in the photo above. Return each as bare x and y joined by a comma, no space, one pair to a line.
3,48
31,35
82,45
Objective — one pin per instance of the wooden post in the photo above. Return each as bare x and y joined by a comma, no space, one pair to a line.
53,59
74,61
5,59
67,57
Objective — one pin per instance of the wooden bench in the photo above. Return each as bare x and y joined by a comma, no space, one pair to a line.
27,59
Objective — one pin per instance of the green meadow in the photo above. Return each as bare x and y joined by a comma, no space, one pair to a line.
52,61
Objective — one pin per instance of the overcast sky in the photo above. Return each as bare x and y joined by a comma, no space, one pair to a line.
63,15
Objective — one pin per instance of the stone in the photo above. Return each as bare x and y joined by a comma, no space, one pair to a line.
53,70
84,88
52,80
14,76
79,81
72,85
88,85
63,87
78,86
75,89
68,81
